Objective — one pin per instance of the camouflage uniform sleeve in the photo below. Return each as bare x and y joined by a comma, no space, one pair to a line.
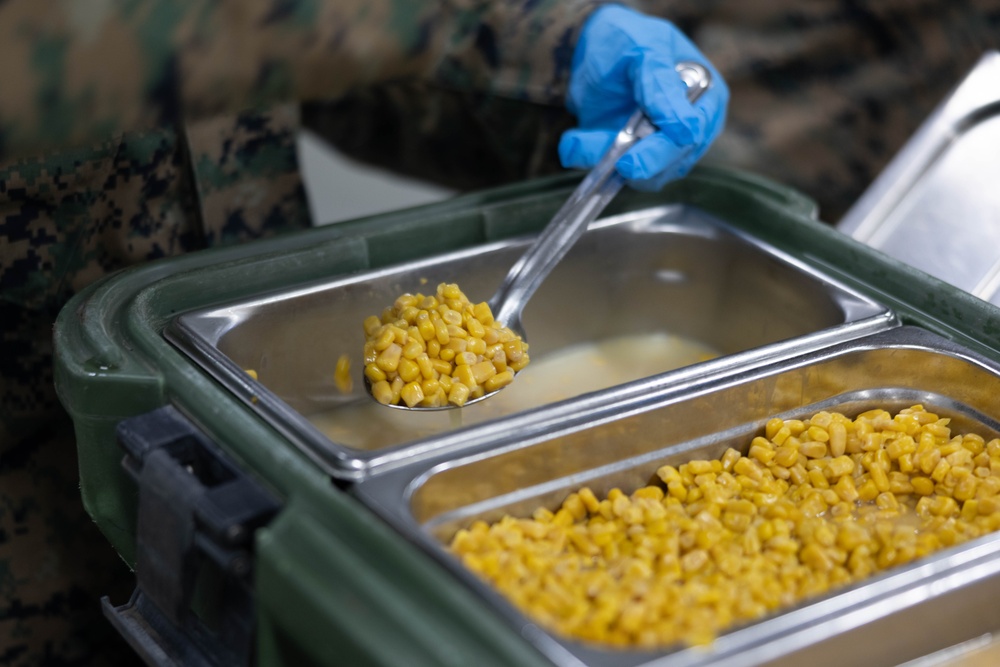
75,72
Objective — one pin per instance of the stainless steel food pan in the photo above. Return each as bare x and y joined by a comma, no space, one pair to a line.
936,205
672,280
900,615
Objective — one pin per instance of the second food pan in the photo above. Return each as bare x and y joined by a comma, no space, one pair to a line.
661,295
935,206
900,614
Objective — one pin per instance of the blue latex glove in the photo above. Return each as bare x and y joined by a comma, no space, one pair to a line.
626,59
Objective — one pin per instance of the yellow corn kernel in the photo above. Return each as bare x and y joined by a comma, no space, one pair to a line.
518,364
382,392
940,470
772,427
668,474
846,489
458,394
441,331
341,375
574,505
654,493
473,325
786,456
408,369
729,458
450,316
412,393
965,489
449,352
818,479
457,332
879,478
408,314
482,371
813,449
396,385
761,450
426,367
464,375
868,491
590,501
923,486
413,348
374,373
371,325
797,474
370,353
498,381
838,439
441,367
900,446
430,387
384,339
781,435
796,426
476,345
449,291
815,557
425,326
699,467
840,466
438,399
939,429
748,468
404,301
464,358
388,358
887,500
989,506
943,506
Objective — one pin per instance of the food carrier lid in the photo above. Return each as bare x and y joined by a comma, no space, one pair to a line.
936,206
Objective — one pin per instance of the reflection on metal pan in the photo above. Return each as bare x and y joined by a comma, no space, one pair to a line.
901,614
728,296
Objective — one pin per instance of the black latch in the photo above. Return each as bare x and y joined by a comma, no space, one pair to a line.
194,602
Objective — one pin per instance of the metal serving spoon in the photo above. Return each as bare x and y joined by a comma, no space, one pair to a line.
569,223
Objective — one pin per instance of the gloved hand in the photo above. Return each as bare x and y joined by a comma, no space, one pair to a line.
626,59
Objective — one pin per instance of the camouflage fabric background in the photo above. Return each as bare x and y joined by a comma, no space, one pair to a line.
76,72
823,95
68,219
132,131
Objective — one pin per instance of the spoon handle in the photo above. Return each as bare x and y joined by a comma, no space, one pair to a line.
582,207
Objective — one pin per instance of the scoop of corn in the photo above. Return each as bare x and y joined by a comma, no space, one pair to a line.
433,350
811,506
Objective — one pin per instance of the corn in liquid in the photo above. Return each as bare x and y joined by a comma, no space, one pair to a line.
812,506
439,349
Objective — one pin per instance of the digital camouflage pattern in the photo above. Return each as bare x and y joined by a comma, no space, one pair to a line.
168,126
77,71
66,220
823,95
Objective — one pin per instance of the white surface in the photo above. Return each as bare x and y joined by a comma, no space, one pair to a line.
340,189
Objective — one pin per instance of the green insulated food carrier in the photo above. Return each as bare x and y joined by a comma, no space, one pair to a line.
278,518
